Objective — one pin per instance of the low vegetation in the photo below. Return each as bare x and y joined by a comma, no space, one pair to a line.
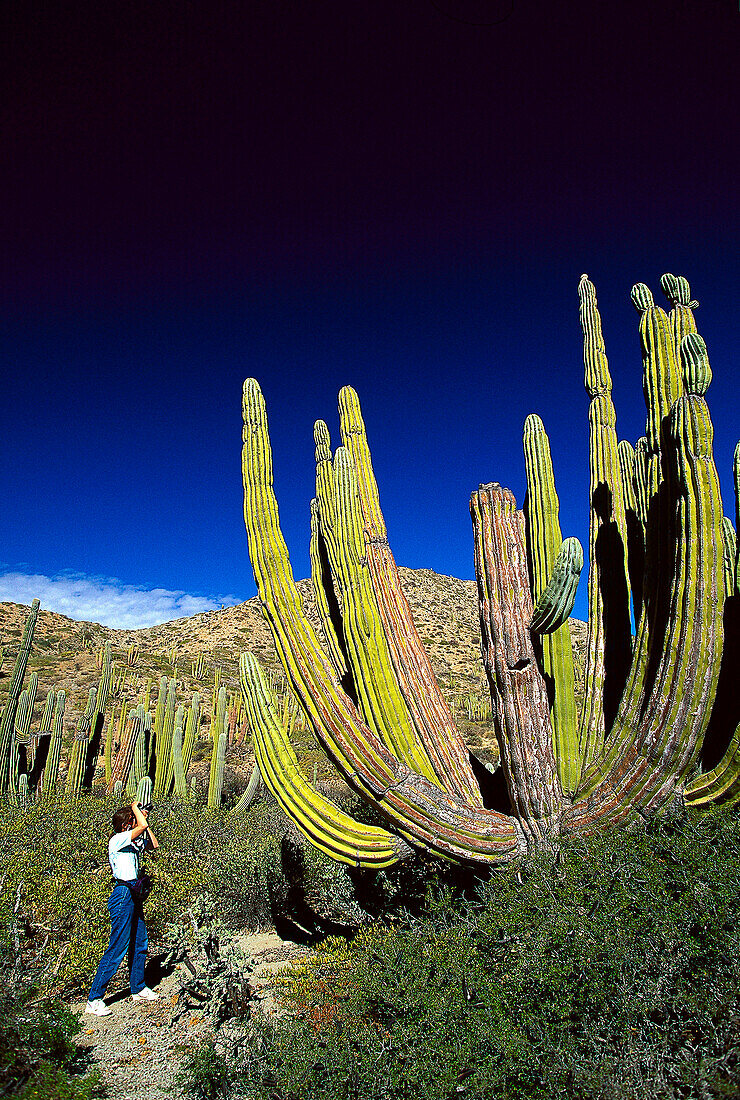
609,971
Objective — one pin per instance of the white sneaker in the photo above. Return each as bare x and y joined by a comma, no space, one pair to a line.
145,994
98,1007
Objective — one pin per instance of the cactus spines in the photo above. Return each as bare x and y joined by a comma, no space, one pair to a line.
14,692
555,602
23,790
678,292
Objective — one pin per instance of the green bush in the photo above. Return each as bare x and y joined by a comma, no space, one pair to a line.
608,972
55,870
39,1059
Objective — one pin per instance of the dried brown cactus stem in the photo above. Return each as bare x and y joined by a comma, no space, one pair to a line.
427,708
518,690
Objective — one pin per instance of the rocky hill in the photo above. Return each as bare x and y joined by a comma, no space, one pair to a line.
64,650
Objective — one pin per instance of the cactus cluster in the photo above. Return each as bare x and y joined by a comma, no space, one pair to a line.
661,556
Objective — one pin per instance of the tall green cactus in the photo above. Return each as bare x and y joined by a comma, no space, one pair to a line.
544,542
80,746
658,507
218,760
14,691
51,767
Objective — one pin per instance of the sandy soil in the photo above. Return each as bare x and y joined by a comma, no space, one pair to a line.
139,1050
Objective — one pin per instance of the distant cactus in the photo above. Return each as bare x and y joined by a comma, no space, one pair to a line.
51,767
218,756
198,667
14,691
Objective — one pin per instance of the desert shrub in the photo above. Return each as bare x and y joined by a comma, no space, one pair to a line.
39,1059
608,972
55,860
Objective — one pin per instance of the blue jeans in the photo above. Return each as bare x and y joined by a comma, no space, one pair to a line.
127,937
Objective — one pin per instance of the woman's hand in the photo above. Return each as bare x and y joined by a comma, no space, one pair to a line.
140,818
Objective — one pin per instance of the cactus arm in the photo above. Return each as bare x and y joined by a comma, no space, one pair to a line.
144,793
39,747
163,770
427,707
635,523
608,575
125,755
326,604
249,793
729,539
14,691
80,745
218,724
108,753
51,767
518,690
378,693
218,761
555,602
192,726
21,738
666,741
678,293
327,827
413,806
662,386
181,789
554,648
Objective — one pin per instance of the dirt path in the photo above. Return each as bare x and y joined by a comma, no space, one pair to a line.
140,1051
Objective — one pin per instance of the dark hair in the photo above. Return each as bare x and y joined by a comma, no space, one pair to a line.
123,819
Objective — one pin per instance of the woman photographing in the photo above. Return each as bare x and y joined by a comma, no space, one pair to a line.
131,837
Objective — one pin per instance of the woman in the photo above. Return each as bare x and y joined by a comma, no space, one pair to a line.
131,837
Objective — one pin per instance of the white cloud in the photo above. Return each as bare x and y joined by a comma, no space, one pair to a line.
105,600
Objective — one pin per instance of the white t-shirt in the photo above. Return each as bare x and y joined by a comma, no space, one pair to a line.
124,855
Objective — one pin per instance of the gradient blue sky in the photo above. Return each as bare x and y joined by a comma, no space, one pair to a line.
396,195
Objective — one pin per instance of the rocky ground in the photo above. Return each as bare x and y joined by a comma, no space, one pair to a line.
140,1051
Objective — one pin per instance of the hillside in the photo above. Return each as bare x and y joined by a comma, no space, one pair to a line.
64,650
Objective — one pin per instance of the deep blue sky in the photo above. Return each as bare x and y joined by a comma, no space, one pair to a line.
386,194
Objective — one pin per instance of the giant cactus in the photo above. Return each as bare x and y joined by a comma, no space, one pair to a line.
656,533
